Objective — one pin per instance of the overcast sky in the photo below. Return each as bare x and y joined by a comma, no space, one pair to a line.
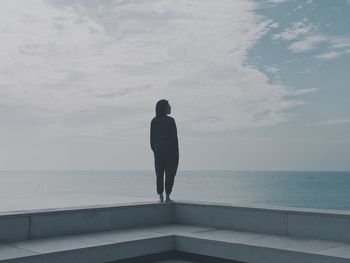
253,85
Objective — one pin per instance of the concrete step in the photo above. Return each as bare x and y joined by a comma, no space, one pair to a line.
222,231
94,247
47,223
101,246
257,248
112,245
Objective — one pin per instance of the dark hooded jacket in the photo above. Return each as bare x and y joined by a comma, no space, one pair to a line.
163,136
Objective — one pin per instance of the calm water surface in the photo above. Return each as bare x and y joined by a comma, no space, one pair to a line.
35,189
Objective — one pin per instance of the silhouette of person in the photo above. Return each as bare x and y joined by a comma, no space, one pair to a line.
164,144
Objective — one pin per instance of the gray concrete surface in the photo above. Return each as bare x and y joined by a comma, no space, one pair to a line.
109,233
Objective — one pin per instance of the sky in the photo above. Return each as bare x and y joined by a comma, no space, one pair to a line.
253,85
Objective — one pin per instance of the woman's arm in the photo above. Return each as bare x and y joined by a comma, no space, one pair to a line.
175,139
152,135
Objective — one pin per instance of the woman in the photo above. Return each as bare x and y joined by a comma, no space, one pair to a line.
164,144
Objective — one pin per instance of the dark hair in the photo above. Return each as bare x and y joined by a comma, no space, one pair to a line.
161,107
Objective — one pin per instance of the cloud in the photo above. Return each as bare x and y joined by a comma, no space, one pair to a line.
277,1
299,92
270,3
339,46
296,30
18,117
340,42
271,69
331,122
274,25
80,59
305,36
328,56
307,43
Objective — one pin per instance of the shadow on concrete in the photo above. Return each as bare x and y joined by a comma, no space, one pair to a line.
174,257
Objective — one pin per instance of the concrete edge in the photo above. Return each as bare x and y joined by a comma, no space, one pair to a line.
275,209
79,208
243,206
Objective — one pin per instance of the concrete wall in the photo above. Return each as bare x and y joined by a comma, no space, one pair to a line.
305,223
49,223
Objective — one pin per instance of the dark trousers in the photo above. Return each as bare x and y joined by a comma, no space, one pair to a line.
168,165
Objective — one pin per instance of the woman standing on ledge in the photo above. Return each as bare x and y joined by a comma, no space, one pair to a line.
164,144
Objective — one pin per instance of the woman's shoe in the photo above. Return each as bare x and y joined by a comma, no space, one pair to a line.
161,198
168,200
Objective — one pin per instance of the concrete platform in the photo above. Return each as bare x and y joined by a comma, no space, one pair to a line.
28,203
218,232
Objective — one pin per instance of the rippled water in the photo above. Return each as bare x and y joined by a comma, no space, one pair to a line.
33,189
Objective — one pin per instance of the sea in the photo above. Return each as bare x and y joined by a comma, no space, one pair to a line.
26,190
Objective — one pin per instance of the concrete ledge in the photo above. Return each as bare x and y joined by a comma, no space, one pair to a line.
222,244
76,249
17,226
250,253
223,231
304,223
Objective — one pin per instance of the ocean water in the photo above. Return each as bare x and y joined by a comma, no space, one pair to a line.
41,189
